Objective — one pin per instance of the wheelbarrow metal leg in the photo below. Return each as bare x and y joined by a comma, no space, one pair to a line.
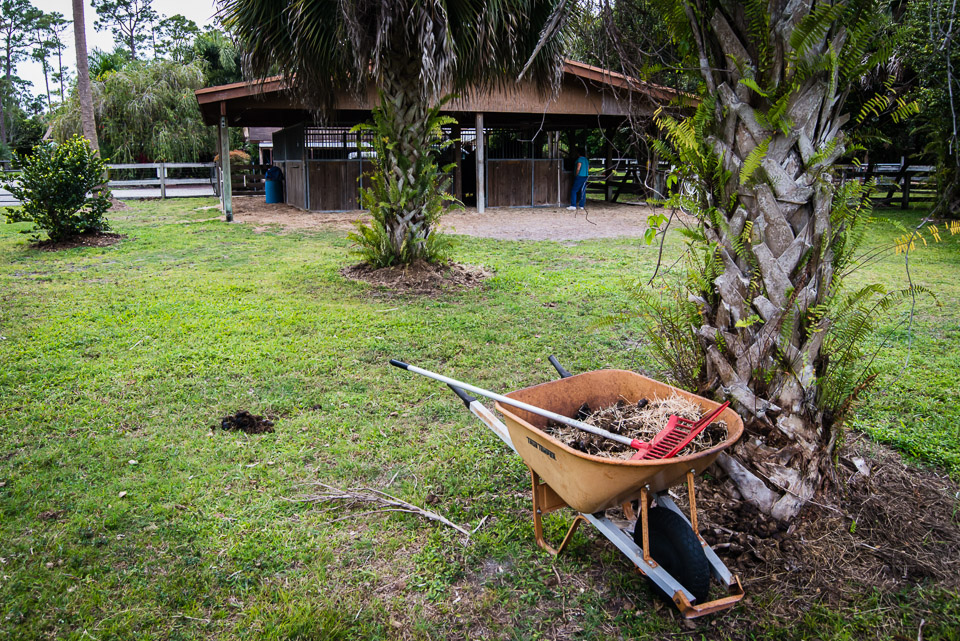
545,501
693,503
691,611
644,521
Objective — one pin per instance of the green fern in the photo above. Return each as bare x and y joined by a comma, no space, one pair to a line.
813,28
753,161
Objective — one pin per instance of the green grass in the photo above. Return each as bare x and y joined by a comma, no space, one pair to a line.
132,352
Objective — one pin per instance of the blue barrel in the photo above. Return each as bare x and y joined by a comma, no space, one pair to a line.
273,185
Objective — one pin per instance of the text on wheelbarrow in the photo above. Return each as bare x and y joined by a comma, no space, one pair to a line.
541,448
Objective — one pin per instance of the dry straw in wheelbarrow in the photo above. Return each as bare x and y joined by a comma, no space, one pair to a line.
641,421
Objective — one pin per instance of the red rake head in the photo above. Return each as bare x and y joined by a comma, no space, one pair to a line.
675,436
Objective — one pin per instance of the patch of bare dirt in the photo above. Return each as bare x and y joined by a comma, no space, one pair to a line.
51,515
420,277
600,220
99,239
244,421
118,205
889,529
252,210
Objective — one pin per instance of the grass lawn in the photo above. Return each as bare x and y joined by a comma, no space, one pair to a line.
124,515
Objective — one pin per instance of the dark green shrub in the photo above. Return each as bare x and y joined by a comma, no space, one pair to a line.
61,190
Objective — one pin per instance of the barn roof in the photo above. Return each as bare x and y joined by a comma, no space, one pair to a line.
589,97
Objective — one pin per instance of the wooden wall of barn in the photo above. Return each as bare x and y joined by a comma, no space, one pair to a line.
335,184
526,183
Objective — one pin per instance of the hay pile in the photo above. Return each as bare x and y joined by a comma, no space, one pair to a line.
641,420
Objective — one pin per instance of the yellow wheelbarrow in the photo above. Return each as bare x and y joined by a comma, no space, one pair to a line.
662,541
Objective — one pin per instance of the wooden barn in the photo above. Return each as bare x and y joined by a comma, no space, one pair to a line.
508,146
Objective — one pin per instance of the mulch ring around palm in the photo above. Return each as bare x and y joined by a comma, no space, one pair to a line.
888,527
96,239
420,277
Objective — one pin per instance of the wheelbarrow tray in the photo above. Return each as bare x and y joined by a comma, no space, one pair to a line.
587,483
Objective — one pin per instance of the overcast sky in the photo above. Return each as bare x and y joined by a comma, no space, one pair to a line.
200,11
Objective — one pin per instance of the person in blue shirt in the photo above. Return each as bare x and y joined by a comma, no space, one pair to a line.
578,195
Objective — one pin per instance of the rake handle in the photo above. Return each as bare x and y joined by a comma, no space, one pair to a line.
559,418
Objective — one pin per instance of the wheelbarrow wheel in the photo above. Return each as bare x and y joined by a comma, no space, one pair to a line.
675,546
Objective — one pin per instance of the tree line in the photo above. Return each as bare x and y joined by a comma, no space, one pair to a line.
142,87
158,60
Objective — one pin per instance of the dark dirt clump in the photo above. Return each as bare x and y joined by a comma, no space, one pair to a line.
420,277
51,515
97,239
244,421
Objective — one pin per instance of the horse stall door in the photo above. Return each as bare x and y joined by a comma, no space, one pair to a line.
509,183
296,193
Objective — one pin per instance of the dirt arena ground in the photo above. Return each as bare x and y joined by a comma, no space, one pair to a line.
602,220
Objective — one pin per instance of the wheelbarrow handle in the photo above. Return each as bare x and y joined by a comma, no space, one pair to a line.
466,398
561,370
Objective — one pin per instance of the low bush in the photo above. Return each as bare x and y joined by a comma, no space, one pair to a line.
61,190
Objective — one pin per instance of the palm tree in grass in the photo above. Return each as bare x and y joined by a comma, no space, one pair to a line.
765,314
417,52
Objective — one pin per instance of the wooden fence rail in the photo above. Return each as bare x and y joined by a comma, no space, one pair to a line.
161,177
246,179
915,183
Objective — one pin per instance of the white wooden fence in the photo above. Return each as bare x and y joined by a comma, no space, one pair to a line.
161,178
202,182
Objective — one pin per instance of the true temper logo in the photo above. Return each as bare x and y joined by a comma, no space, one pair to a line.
541,448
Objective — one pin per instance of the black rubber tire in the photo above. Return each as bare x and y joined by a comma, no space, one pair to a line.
675,547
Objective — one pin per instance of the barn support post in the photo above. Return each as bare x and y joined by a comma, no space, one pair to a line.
608,163
555,156
481,166
306,167
458,171
226,200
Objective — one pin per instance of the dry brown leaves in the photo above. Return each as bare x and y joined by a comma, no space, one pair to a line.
896,528
641,421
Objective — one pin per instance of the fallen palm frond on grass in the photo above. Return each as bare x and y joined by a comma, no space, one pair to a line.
369,495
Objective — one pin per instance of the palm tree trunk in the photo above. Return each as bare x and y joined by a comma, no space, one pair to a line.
770,368
401,97
774,244
87,121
